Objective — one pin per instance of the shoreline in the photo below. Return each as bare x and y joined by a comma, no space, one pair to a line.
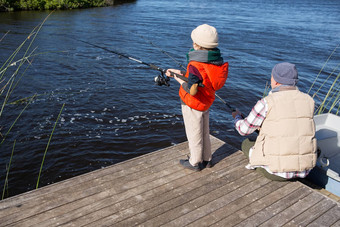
16,6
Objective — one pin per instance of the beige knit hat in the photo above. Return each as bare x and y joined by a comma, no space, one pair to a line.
205,35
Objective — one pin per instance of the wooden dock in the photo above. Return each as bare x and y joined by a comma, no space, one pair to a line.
154,190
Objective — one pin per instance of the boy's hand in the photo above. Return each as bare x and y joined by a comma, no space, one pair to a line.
193,89
170,72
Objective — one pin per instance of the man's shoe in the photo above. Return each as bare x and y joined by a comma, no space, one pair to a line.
207,164
186,164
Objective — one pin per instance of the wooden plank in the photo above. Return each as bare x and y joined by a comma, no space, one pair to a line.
99,177
336,224
309,215
90,194
240,204
182,206
328,218
245,212
119,170
96,188
154,190
111,205
183,193
297,208
204,209
275,208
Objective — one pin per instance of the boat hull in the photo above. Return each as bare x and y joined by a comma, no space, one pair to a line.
327,170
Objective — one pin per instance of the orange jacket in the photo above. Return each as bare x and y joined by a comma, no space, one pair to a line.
214,77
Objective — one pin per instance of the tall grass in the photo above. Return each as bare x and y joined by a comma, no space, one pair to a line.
329,101
15,121
49,140
13,79
6,179
11,73
266,90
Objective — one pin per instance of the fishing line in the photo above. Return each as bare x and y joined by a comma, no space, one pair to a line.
228,105
163,51
160,80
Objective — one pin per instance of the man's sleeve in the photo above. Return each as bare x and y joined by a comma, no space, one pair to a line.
254,120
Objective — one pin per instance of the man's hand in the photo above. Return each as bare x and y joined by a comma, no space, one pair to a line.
236,112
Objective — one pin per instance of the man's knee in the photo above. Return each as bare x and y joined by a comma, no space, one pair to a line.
246,145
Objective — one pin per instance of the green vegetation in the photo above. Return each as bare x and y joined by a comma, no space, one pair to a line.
11,73
49,140
329,102
14,5
6,179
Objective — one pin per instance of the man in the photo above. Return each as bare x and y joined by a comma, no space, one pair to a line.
286,146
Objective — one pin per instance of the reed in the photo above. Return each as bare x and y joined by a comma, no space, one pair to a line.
316,78
333,99
11,73
331,102
266,90
11,83
4,36
49,140
6,179
15,121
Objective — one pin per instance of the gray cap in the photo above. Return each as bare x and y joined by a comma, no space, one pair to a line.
285,73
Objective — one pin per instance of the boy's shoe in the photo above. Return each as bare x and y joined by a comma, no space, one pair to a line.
207,164
186,164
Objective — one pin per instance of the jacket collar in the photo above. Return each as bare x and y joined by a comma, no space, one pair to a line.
284,88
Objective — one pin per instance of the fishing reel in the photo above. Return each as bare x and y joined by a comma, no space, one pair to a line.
162,80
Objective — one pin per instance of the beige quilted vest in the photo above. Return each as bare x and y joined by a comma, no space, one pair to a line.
286,140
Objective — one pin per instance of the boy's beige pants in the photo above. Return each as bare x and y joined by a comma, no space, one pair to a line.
197,130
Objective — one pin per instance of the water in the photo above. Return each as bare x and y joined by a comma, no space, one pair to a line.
113,111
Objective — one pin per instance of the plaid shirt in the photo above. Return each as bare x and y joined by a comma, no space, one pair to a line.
253,122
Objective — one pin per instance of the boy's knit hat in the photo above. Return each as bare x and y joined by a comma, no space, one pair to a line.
205,35
285,73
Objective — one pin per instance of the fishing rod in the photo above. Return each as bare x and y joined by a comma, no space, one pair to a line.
159,80
228,105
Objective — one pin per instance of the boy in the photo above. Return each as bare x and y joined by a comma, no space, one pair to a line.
206,73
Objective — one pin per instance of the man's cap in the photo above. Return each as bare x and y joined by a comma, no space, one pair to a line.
285,73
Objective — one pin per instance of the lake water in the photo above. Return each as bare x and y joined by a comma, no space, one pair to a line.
113,111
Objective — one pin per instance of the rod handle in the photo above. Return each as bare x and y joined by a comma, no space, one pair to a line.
184,78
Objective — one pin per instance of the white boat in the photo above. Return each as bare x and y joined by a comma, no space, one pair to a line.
327,170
